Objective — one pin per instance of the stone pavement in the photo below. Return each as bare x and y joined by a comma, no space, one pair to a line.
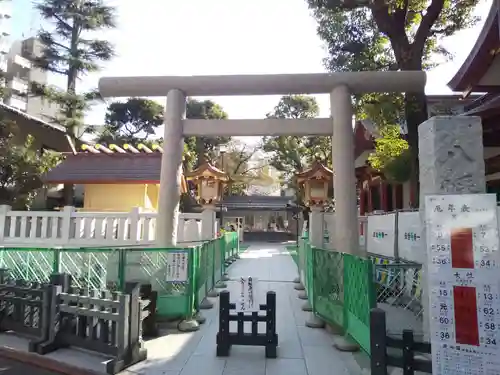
301,351
11,367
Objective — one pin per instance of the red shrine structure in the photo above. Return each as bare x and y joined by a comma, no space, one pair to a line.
480,73
376,193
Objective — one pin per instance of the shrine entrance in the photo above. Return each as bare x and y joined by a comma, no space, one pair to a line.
340,87
238,223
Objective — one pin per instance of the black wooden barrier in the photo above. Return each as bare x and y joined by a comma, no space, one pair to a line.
379,342
225,338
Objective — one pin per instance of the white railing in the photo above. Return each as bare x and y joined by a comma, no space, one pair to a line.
70,228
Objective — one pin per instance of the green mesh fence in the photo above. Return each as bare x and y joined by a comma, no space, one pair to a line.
359,298
111,268
340,289
328,285
218,259
28,263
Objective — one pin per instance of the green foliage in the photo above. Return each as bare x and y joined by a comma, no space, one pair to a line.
389,35
391,154
133,121
362,35
295,107
137,121
21,166
290,154
70,49
201,147
236,163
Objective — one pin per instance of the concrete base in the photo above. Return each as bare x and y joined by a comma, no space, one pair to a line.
220,285
296,280
205,304
299,286
302,294
314,322
237,256
334,329
200,318
225,277
188,325
213,293
307,306
345,345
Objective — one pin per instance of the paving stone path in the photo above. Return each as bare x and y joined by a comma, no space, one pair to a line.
301,351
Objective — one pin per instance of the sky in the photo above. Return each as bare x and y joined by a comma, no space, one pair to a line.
194,37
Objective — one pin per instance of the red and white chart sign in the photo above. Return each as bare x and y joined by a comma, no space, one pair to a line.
464,280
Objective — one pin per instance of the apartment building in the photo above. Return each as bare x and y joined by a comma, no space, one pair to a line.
19,73
5,27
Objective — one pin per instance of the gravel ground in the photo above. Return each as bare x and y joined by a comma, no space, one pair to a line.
10,367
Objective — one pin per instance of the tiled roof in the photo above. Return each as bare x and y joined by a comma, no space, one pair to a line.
103,168
100,164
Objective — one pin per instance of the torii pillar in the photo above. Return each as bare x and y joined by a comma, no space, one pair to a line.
171,170
340,86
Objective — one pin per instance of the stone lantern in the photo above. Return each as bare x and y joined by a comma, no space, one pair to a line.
209,181
316,181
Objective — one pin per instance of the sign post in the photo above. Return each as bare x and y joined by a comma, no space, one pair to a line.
248,296
177,266
464,277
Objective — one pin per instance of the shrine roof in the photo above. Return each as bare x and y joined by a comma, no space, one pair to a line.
316,168
111,164
477,73
208,170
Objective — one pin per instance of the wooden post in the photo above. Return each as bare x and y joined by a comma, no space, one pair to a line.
223,345
272,339
378,342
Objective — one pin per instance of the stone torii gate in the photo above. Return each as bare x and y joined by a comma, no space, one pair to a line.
340,86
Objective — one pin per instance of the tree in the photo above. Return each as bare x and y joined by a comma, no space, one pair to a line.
21,166
199,146
391,35
237,163
391,154
71,50
290,154
136,120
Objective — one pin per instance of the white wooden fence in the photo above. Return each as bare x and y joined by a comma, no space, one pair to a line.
70,228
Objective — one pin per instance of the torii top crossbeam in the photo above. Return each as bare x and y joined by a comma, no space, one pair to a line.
266,84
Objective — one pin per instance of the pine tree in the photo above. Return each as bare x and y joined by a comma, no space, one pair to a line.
70,48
